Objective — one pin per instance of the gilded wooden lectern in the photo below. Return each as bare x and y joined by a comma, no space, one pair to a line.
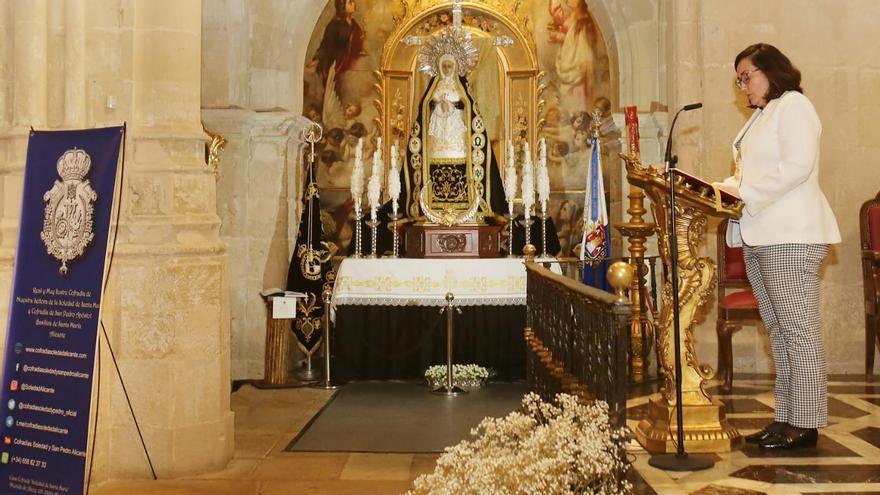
706,428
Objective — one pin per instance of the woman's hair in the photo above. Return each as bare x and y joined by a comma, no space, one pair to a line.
562,206
777,68
582,14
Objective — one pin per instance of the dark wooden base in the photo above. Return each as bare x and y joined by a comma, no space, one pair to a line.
437,241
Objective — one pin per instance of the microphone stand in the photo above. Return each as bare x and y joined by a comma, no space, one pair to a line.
680,460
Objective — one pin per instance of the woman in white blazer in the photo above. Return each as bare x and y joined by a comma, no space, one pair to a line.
786,227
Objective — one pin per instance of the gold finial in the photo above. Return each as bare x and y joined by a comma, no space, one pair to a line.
620,276
215,147
326,294
595,122
529,251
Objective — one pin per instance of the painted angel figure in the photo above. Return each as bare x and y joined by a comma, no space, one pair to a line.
573,29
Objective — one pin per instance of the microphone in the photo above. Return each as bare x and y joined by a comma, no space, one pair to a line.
680,460
669,159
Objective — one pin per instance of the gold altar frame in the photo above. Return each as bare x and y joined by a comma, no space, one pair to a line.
519,85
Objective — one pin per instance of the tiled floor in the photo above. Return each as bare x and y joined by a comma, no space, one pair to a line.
847,459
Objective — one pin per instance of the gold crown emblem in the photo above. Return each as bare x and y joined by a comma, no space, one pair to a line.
74,165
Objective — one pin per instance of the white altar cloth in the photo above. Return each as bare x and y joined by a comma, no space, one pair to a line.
425,282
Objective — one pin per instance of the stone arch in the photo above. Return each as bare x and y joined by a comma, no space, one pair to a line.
253,58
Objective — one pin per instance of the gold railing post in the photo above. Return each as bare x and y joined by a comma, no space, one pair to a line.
637,231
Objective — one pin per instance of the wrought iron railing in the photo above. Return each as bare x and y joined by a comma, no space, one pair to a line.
640,349
577,340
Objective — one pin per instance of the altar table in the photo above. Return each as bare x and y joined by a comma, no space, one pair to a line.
388,324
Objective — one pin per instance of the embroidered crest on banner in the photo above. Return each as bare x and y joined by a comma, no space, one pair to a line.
67,223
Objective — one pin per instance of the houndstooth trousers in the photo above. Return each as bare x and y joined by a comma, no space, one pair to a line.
785,281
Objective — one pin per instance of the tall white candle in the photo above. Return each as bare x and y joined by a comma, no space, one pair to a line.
528,181
374,188
510,177
357,175
543,176
394,180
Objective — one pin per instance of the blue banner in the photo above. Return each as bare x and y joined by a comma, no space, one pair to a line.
596,242
54,313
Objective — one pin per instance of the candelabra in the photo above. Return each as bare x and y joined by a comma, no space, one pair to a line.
395,250
510,219
357,231
373,225
544,253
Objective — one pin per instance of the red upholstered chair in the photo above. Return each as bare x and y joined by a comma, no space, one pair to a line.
869,227
734,307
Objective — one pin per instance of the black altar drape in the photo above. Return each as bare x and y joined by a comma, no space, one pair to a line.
400,342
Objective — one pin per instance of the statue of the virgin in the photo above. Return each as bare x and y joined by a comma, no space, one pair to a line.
450,176
446,129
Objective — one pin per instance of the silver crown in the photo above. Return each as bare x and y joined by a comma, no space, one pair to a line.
74,165
452,40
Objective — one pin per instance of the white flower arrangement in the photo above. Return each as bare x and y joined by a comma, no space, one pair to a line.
465,374
565,447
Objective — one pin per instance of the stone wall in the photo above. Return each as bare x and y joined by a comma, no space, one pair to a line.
835,46
258,193
88,63
252,62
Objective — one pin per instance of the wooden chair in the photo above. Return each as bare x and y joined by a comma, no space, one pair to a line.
869,228
734,308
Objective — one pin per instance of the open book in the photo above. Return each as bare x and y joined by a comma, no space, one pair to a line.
719,195
275,292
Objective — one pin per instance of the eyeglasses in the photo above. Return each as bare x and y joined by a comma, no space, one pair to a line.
745,77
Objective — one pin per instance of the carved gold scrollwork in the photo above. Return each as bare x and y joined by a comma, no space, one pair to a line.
705,420
411,9
452,243
379,102
215,147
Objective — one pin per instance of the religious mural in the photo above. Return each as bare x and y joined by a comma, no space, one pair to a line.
345,49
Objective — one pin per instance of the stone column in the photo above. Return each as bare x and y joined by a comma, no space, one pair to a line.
75,64
258,203
168,295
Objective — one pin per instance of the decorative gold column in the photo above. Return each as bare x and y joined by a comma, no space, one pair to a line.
706,426
641,328
637,231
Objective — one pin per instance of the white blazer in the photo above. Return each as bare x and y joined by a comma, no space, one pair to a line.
779,176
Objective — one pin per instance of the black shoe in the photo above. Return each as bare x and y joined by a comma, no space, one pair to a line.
768,431
791,440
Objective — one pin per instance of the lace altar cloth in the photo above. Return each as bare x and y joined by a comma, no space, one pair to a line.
425,282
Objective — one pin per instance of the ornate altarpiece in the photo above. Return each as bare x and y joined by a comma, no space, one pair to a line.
401,89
